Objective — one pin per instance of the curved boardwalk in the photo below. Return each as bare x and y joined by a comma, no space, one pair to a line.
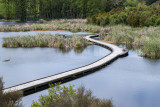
72,74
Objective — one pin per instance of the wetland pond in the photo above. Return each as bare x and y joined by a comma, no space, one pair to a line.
131,81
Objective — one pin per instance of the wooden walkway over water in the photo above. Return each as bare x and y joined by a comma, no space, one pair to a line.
35,85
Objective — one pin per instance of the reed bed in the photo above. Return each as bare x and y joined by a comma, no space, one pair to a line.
46,40
146,37
74,25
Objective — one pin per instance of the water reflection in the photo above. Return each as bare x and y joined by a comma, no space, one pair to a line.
28,64
131,81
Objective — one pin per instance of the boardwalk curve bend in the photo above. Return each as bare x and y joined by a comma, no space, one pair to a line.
35,85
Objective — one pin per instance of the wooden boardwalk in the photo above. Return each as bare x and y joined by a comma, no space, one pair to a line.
34,85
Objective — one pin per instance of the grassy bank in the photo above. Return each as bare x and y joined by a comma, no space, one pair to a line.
147,38
46,40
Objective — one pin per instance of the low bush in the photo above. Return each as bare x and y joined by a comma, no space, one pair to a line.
114,19
158,21
138,16
63,96
133,19
151,21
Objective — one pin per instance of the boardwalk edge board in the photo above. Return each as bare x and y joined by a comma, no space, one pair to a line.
116,52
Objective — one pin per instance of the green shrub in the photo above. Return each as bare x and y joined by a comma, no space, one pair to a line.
63,96
133,19
123,17
143,17
104,21
151,48
158,22
78,45
151,21
93,19
131,3
98,20
138,16
114,19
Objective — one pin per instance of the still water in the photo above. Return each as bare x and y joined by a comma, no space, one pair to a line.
28,64
131,81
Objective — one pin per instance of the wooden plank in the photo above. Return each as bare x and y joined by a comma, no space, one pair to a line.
115,53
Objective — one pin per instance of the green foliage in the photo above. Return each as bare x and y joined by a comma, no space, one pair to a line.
52,9
60,45
138,16
151,21
113,19
133,19
158,21
104,21
143,16
63,96
151,48
78,45
131,3
123,17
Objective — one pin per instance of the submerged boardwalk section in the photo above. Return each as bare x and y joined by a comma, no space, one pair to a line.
34,85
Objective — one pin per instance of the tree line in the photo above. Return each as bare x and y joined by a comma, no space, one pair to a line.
24,10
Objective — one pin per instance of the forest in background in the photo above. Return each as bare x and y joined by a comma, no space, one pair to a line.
26,10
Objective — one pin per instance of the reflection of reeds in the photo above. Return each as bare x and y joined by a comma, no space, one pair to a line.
45,40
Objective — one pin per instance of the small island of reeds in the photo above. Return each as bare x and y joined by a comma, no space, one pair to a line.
46,40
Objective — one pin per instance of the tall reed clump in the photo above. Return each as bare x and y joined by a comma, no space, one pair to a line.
11,99
63,96
147,38
74,25
45,40
151,49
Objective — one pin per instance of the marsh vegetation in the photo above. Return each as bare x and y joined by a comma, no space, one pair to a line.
147,38
60,96
46,40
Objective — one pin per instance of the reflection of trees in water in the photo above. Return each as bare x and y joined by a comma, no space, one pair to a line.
79,50
64,50
76,50
136,48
